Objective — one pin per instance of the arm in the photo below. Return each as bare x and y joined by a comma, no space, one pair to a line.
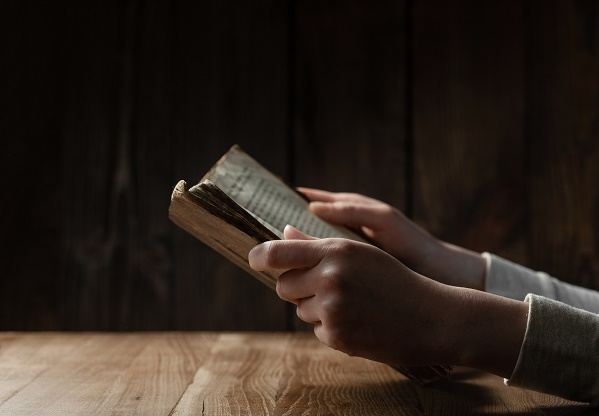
444,262
558,354
511,280
365,302
392,231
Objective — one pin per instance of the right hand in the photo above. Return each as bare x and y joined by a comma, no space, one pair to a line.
392,231
365,302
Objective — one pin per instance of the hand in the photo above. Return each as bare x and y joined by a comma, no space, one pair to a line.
365,302
360,299
392,231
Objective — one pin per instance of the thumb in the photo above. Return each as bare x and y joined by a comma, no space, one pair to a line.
292,233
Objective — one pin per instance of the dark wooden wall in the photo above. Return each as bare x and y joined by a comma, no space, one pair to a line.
479,119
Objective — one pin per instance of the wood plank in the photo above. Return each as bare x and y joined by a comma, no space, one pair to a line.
469,148
564,91
145,160
317,377
139,112
233,373
349,108
99,218
31,98
98,373
242,373
350,96
229,86
486,394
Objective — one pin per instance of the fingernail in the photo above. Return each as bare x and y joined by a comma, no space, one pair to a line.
254,253
291,232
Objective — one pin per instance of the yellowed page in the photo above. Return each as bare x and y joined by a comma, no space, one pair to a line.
267,197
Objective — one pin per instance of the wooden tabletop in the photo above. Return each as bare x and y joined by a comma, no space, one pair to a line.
179,373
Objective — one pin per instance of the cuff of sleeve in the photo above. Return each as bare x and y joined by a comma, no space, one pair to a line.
511,280
558,355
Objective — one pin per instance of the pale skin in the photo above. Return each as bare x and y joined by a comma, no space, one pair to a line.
409,300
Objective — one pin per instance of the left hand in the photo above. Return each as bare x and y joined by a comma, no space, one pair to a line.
391,230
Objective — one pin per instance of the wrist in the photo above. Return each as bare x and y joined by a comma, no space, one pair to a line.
428,258
484,331
461,267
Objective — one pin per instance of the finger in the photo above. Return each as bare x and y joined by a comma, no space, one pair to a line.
295,284
322,334
286,254
308,310
317,194
326,196
292,233
374,216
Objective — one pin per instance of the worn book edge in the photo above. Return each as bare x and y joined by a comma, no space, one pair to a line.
196,217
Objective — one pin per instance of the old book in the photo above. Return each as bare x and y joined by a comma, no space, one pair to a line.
239,203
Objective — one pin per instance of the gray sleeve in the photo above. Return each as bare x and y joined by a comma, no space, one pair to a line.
559,353
511,280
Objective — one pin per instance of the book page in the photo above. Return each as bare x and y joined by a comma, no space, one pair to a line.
267,197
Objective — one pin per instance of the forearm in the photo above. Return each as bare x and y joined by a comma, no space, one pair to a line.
469,266
449,264
392,231
484,331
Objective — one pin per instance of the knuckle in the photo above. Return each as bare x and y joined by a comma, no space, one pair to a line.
335,272
346,208
339,247
345,196
284,285
352,196
332,281
343,249
271,252
387,210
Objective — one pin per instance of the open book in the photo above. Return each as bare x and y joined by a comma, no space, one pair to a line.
239,204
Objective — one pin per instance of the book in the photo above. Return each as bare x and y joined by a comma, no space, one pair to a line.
239,203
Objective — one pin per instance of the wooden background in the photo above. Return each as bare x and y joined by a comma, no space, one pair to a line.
479,119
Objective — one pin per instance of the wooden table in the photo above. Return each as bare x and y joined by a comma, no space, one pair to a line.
232,373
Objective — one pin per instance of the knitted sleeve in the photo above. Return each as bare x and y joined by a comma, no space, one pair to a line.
511,280
559,354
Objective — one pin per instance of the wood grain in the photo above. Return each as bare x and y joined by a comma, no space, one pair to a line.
32,81
129,98
564,105
233,373
97,224
479,119
96,374
230,86
469,149
349,99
